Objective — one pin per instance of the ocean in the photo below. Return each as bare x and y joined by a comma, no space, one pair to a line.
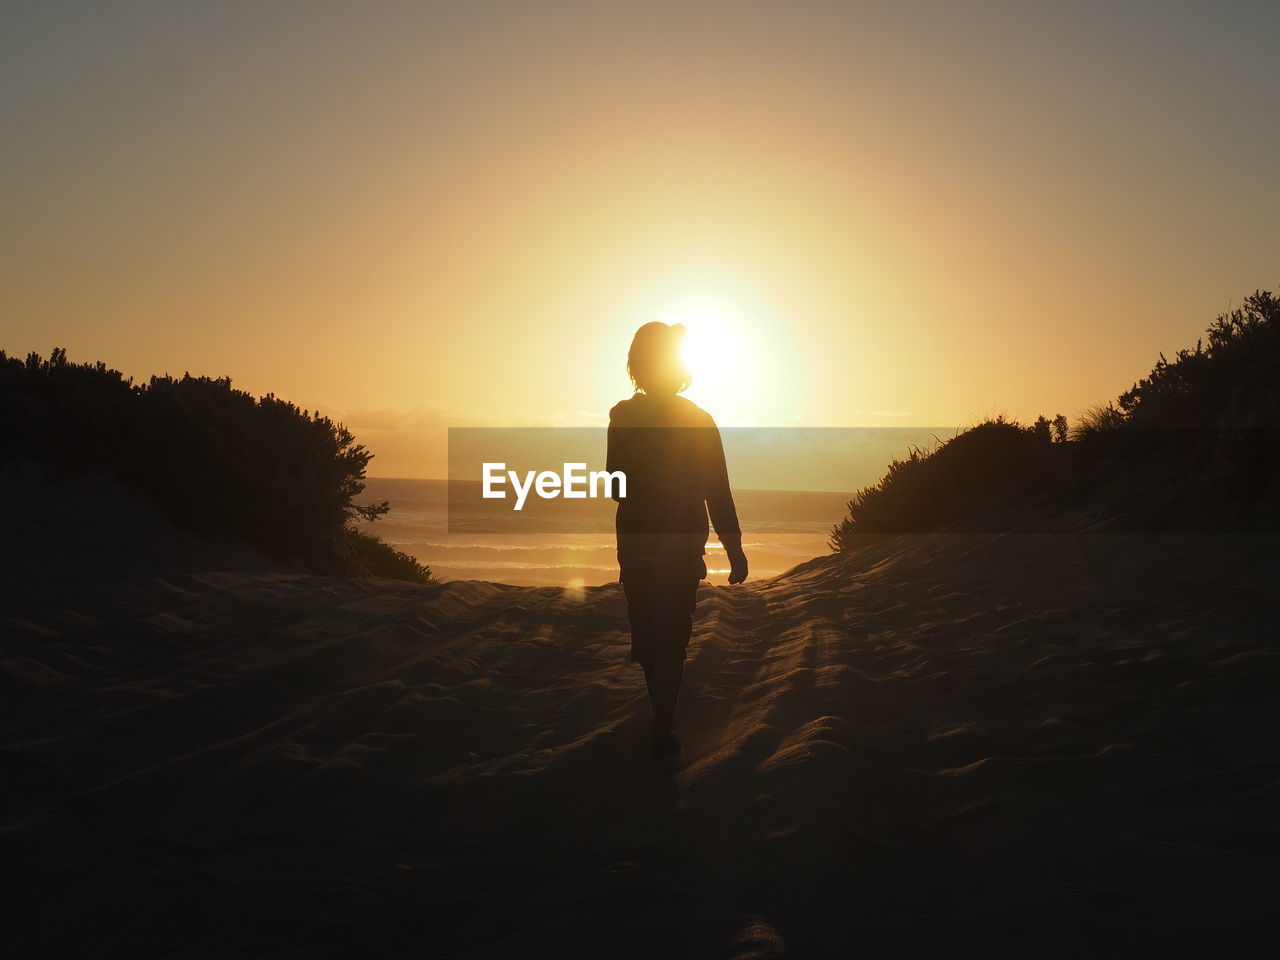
780,529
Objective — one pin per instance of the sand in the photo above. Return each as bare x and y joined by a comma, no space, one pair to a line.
936,745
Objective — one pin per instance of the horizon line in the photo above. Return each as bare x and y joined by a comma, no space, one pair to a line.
843,493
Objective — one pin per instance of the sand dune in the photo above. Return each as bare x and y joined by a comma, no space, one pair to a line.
1019,744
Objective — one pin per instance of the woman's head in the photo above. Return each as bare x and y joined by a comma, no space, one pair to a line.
654,361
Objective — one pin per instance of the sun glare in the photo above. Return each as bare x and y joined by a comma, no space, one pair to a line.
740,363
715,349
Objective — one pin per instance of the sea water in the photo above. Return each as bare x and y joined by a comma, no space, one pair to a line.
780,529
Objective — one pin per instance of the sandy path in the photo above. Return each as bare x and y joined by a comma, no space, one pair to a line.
1050,745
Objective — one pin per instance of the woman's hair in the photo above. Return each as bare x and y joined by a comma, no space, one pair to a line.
654,361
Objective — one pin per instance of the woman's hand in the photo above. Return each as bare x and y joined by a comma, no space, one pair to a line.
737,563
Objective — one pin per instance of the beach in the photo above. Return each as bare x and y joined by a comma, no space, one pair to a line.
936,744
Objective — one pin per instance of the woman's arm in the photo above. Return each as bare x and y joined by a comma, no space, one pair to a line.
724,514
613,459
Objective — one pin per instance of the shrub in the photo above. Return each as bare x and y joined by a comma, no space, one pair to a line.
212,457
1098,419
1229,383
996,463
357,553
1214,410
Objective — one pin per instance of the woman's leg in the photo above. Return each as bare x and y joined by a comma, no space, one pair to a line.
660,605
663,674
664,671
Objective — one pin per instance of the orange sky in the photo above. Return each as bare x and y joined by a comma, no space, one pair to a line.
413,215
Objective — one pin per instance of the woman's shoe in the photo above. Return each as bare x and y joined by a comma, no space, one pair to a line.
673,743
663,742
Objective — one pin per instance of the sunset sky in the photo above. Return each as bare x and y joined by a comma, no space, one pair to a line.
412,215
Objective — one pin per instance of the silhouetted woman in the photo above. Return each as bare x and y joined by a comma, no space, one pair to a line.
670,450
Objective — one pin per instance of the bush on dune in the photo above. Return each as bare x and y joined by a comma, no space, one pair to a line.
213,458
1230,383
357,553
1213,411
1221,401
997,463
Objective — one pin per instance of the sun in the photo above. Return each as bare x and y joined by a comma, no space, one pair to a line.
740,364
714,349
